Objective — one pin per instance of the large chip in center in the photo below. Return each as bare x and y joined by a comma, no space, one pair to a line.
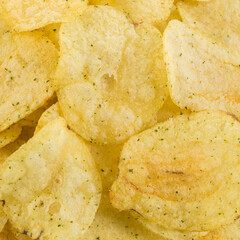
111,75
51,186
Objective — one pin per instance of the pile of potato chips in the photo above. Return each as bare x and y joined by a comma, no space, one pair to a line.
119,120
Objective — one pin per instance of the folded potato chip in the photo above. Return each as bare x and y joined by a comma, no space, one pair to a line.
51,186
199,73
182,174
34,14
111,75
219,20
28,62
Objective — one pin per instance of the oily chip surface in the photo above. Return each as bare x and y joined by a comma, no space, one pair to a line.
102,98
28,62
218,20
175,172
51,186
34,14
200,74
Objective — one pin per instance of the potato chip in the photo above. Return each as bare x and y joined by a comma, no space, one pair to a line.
34,14
9,135
151,11
49,115
218,20
170,110
229,232
199,73
183,174
110,224
28,62
52,32
102,98
106,159
6,234
51,186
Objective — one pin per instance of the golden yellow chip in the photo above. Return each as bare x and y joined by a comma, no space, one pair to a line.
52,32
111,75
199,73
218,20
28,62
183,174
10,134
228,232
51,186
49,115
170,110
6,233
151,11
34,14
110,224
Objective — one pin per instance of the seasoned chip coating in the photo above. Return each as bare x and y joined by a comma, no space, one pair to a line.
49,115
228,232
110,224
51,186
183,174
10,134
170,110
34,14
199,73
151,11
28,62
218,20
111,75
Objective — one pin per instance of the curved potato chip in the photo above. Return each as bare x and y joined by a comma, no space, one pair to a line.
151,11
28,62
198,73
229,232
218,20
111,75
169,234
111,224
52,32
106,158
170,110
49,115
34,14
9,135
51,186
183,174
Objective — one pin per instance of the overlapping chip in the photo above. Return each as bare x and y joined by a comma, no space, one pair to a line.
170,110
200,74
111,76
218,20
183,174
34,14
28,62
9,135
51,186
151,11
